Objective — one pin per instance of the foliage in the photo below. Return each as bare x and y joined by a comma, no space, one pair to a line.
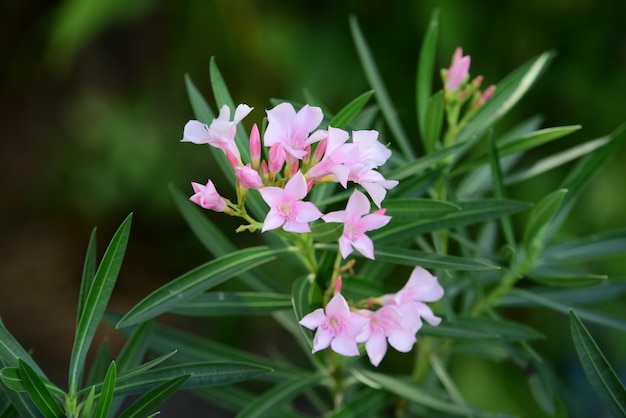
451,213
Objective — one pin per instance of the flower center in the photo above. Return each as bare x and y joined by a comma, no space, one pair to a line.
288,210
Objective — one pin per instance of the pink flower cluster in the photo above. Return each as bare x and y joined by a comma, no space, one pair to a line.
456,76
300,155
396,321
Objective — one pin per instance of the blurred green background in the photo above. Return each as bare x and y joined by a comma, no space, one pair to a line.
92,106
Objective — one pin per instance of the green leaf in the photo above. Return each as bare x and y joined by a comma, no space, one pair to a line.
214,240
406,257
599,372
376,82
223,97
412,208
97,299
555,276
601,319
300,298
327,232
583,249
38,391
346,115
539,221
106,393
199,280
89,271
508,92
410,391
135,348
482,329
279,395
201,375
569,296
234,304
193,349
11,351
587,168
20,400
367,403
431,132
521,143
153,398
199,105
425,72
100,364
471,212
86,408
498,189
555,160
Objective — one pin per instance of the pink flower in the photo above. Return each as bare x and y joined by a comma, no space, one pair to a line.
458,70
336,326
372,153
386,324
221,133
207,197
338,157
421,287
374,184
248,177
292,129
286,207
356,225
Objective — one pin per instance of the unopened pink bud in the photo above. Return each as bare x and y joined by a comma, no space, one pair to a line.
248,177
459,69
232,159
309,184
293,169
320,151
277,158
255,146
338,284
264,170
477,81
487,94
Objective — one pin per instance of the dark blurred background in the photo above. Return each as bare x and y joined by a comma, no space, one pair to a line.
93,102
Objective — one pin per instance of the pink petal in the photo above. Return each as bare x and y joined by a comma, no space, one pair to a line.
313,319
322,339
345,246
376,347
295,226
337,306
345,345
273,196
358,204
374,221
196,132
365,246
273,220
307,119
425,312
296,187
423,286
336,216
307,212
401,339
241,112
357,324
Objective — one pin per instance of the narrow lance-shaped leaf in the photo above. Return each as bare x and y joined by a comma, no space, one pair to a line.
586,169
153,398
234,303
264,405
106,393
582,249
499,190
376,81
346,115
97,299
425,72
11,351
407,257
38,391
433,123
200,107
89,271
599,372
539,222
199,280
509,91
411,391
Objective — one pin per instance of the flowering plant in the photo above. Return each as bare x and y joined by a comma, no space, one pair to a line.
418,253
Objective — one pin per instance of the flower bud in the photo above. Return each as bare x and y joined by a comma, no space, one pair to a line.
255,146
277,158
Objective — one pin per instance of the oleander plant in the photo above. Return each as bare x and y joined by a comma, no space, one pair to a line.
384,260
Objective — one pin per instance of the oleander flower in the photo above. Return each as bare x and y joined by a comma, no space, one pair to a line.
206,196
287,208
357,221
291,129
336,327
